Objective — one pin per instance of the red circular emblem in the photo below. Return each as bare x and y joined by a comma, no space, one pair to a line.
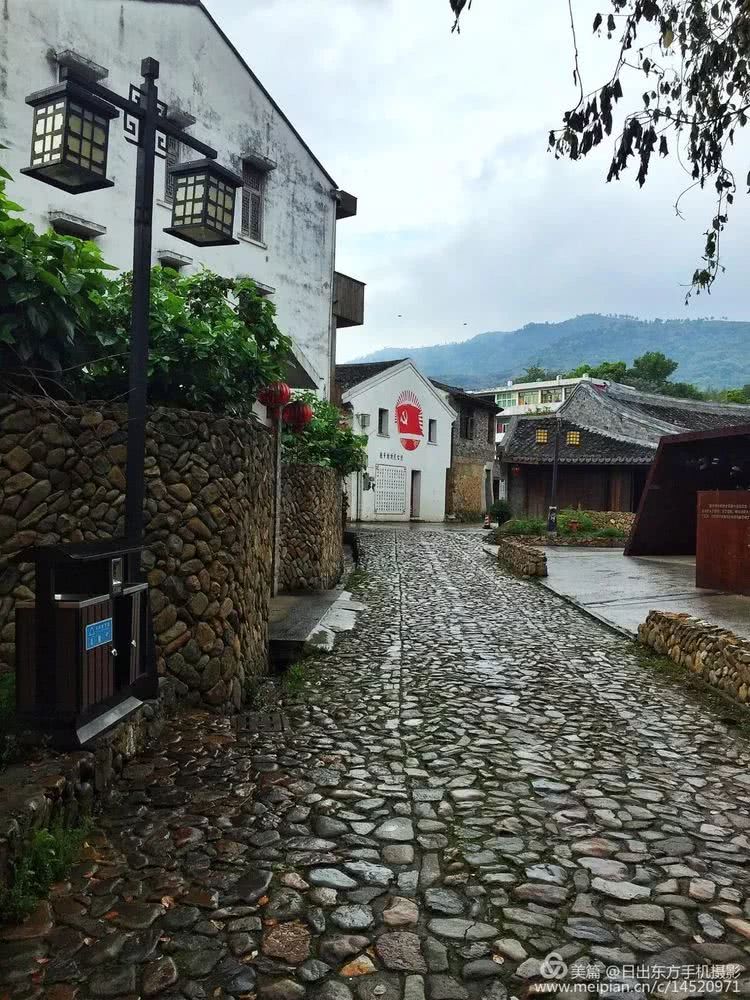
409,420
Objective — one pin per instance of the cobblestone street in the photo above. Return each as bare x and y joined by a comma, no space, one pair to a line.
478,776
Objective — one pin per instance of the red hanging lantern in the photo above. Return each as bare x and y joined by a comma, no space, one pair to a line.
275,395
297,415
515,470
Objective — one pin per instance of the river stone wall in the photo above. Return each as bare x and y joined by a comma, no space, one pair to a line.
208,515
718,656
311,553
526,560
621,519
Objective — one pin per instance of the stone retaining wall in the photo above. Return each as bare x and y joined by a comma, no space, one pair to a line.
621,519
208,515
574,541
718,656
526,560
311,555
59,789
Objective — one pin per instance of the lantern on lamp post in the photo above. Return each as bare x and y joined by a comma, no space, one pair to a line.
69,150
203,206
275,395
297,415
70,138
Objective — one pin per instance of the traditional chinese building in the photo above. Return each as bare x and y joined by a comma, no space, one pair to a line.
408,424
606,438
288,208
469,486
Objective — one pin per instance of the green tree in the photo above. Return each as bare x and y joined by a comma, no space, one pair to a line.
735,395
327,440
613,371
47,288
650,372
536,373
680,390
653,367
213,341
65,326
687,62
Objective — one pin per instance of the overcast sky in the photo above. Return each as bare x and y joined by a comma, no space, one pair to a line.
465,222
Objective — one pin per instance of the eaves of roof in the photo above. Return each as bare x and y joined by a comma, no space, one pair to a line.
232,46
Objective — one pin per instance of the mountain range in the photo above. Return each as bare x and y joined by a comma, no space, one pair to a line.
712,353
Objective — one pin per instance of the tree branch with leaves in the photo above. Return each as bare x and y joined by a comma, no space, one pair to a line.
688,63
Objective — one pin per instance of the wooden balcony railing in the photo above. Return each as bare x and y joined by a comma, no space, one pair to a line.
348,301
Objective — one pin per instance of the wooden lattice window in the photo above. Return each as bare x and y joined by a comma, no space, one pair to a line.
542,435
573,437
253,189
172,157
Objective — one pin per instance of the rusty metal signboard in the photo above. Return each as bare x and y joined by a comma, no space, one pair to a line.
723,542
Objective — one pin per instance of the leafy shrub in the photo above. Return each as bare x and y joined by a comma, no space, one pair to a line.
65,326
610,532
327,440
500,511
585,524
525,526
46,860
213,341
46,307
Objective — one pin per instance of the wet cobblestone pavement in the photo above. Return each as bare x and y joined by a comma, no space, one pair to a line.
477,777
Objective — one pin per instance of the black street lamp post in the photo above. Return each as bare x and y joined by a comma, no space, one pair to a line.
69,150
552,513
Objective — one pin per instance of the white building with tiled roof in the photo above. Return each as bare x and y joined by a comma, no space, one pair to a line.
289,205
407,421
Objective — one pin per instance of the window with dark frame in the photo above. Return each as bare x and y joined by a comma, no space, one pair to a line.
573,437
432,431
383,423
172,157
542,435
467,425
253,191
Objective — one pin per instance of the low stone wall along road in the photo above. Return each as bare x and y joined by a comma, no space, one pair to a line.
478,777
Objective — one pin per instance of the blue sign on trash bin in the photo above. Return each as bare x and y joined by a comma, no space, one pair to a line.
98,633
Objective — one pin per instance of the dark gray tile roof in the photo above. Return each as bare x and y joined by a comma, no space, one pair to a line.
466,397
687,414
347,376
595,449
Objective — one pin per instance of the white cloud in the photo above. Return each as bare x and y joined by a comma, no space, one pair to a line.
466,223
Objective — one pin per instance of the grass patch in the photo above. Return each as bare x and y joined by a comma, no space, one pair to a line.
610,532
524,526
46,860
729,711
357,578
536,527
295,677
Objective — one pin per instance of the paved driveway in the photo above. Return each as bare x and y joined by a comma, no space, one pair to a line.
478,777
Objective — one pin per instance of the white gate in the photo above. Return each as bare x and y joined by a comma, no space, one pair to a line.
390,489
